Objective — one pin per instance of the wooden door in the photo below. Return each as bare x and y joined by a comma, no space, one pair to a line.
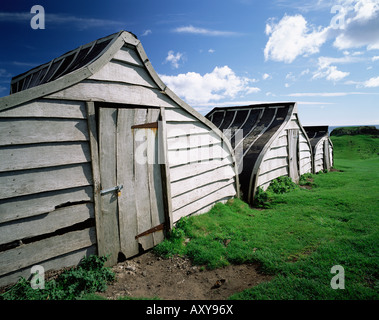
293,150
128,155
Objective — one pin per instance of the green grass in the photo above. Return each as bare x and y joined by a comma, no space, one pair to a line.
355,147
302,236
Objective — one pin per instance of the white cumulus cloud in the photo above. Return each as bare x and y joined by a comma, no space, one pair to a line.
174,58
372,83
292,37
199,89
331,73
360,25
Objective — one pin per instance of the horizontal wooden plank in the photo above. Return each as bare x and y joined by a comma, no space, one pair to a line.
306,169
305,162
67,260
193,141
271,175
121,72
319,162
319,157
305,155
21,183
302,138
36,204
277,152
210,206
319,167
280,141
128,55
304,146
198,193
35,252
190,183
26,131
45,108
320,149
192,169
177,129
23,157
46,223
205,153
179,115
92,90
221,194
272,164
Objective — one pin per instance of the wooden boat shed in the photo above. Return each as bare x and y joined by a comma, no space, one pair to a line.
98,156
322,147
269,142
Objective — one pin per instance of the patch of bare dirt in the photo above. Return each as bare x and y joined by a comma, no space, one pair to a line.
176,278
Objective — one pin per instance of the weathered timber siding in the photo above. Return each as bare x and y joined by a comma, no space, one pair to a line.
201,168
305,154
46,193
194,150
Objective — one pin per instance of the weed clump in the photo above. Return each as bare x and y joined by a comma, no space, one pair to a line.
279,185
174,245
262,199
282,185
88,277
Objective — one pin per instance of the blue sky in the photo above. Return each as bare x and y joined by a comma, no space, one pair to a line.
322,54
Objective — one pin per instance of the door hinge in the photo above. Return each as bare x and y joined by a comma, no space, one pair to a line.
145,233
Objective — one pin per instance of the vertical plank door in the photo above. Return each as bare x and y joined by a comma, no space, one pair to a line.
293,147
148,179
125,175
108,179
128,151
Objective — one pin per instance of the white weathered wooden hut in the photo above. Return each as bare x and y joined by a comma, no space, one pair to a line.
322,147
99,156
271,143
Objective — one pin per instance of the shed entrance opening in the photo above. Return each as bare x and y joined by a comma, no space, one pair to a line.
132,206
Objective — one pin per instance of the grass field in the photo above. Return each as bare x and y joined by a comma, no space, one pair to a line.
303,235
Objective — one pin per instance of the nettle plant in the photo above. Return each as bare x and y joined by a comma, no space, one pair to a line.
279,185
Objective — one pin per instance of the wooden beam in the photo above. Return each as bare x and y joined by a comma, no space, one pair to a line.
94,147
165,170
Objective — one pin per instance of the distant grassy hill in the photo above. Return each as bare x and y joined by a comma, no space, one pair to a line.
352,131
355,146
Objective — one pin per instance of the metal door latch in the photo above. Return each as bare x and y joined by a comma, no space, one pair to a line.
116,188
